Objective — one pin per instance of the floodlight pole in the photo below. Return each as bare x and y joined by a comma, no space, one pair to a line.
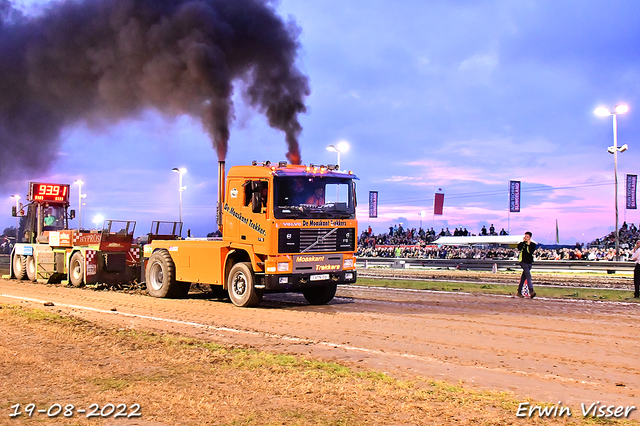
602,111
615,174
181,188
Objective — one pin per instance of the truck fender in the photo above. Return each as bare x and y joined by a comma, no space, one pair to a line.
256,262
234,256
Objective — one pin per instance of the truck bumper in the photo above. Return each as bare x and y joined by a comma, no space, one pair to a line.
288,282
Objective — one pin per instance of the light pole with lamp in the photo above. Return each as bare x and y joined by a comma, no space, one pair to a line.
180,172
79,182
17,197
343,146
603,112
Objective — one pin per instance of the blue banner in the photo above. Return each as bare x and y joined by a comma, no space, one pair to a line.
373,203
514,196
632,180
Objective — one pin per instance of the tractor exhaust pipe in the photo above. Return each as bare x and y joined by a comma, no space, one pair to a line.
221,179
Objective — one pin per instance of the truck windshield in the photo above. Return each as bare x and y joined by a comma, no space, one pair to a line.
314,197
53,218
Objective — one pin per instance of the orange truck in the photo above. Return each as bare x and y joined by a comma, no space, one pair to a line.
48,251
284,228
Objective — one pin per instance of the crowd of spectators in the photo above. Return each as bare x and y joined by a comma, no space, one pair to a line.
398,236
627,235
410,243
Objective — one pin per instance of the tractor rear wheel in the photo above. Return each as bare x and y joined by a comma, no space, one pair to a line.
20,266
240,285
161,277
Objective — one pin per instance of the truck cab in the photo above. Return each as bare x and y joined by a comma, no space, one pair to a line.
285,228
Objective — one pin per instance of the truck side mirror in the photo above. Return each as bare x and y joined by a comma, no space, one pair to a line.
256,202
14,211
355,196
72,214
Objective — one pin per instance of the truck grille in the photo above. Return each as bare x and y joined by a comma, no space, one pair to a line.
316,240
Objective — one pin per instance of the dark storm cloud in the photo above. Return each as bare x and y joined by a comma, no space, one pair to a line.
102,61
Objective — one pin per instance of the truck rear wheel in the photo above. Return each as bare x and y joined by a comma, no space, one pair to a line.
76,269
161,277
19,266
240,285
31,268
320,295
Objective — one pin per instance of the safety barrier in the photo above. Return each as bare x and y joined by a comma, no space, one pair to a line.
488,264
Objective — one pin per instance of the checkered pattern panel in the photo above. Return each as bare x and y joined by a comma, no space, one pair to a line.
90,255
133,255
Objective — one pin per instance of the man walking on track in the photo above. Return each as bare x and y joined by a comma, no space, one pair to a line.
526,249
636,271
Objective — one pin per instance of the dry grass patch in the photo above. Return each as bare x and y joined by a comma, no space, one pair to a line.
47,359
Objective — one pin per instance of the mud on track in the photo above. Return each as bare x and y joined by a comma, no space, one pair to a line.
550,350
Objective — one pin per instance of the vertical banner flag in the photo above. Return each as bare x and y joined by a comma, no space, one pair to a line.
557,233
514,196
632,180
438,202
373,203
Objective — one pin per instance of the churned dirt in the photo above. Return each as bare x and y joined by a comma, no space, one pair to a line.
557,351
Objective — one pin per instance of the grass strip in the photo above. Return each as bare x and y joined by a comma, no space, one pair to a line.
503,289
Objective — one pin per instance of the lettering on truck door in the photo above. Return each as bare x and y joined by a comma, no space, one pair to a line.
255,212
231,207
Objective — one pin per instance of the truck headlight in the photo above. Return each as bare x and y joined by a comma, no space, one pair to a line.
348,263
283,266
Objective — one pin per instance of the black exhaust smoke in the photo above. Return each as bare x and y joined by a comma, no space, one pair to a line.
100,61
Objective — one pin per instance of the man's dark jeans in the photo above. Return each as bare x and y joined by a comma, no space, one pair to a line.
526,275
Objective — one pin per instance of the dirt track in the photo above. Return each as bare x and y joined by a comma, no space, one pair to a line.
549,350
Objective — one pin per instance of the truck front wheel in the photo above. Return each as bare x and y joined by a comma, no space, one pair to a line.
161,277
76,270
320,295
20,266
240,284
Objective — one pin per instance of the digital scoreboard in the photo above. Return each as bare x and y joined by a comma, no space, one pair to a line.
51,192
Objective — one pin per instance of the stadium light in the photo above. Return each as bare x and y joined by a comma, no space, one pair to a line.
604,112
97,219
